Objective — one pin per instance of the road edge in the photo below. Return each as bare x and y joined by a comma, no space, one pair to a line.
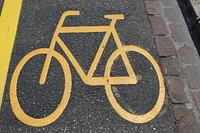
179,62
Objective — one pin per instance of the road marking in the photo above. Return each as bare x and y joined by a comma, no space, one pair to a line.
107,80
8,26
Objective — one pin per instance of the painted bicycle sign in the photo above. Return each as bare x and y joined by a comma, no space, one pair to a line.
88,78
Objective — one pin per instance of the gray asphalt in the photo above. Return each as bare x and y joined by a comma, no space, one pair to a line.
1,4
89,109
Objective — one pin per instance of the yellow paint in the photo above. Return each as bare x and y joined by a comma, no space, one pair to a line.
122,112
8,26
21,115
88,78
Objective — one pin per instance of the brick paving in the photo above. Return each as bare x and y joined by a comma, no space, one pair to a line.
165,46
186,55
176,90
179,62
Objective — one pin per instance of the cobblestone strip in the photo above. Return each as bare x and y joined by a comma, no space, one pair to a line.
179,62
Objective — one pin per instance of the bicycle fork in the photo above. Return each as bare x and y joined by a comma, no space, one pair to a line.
52,45
46,66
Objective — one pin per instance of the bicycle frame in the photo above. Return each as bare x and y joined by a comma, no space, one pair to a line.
88,78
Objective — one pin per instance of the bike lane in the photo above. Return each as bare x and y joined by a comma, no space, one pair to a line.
88,109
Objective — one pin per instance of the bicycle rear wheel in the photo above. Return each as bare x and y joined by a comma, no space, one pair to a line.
18,111
131,117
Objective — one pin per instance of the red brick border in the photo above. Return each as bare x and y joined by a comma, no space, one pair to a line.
179,62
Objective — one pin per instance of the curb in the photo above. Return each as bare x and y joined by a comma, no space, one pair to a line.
196,6
179,62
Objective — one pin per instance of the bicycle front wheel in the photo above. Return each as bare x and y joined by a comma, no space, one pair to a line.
18,111
127,115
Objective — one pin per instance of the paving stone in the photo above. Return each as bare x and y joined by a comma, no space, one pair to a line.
173,15
167,3
170,66
153,7
186,120
165,46
197,98
176,90
187,55
158,25
180,33
193,76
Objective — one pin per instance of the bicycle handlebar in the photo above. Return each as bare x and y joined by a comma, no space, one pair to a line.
65,14
71,13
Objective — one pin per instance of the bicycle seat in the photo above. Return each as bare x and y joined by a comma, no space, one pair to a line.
114,16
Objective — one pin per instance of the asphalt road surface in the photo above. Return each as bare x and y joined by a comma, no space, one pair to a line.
88,109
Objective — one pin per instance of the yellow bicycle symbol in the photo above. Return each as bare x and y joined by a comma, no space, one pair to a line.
88,78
